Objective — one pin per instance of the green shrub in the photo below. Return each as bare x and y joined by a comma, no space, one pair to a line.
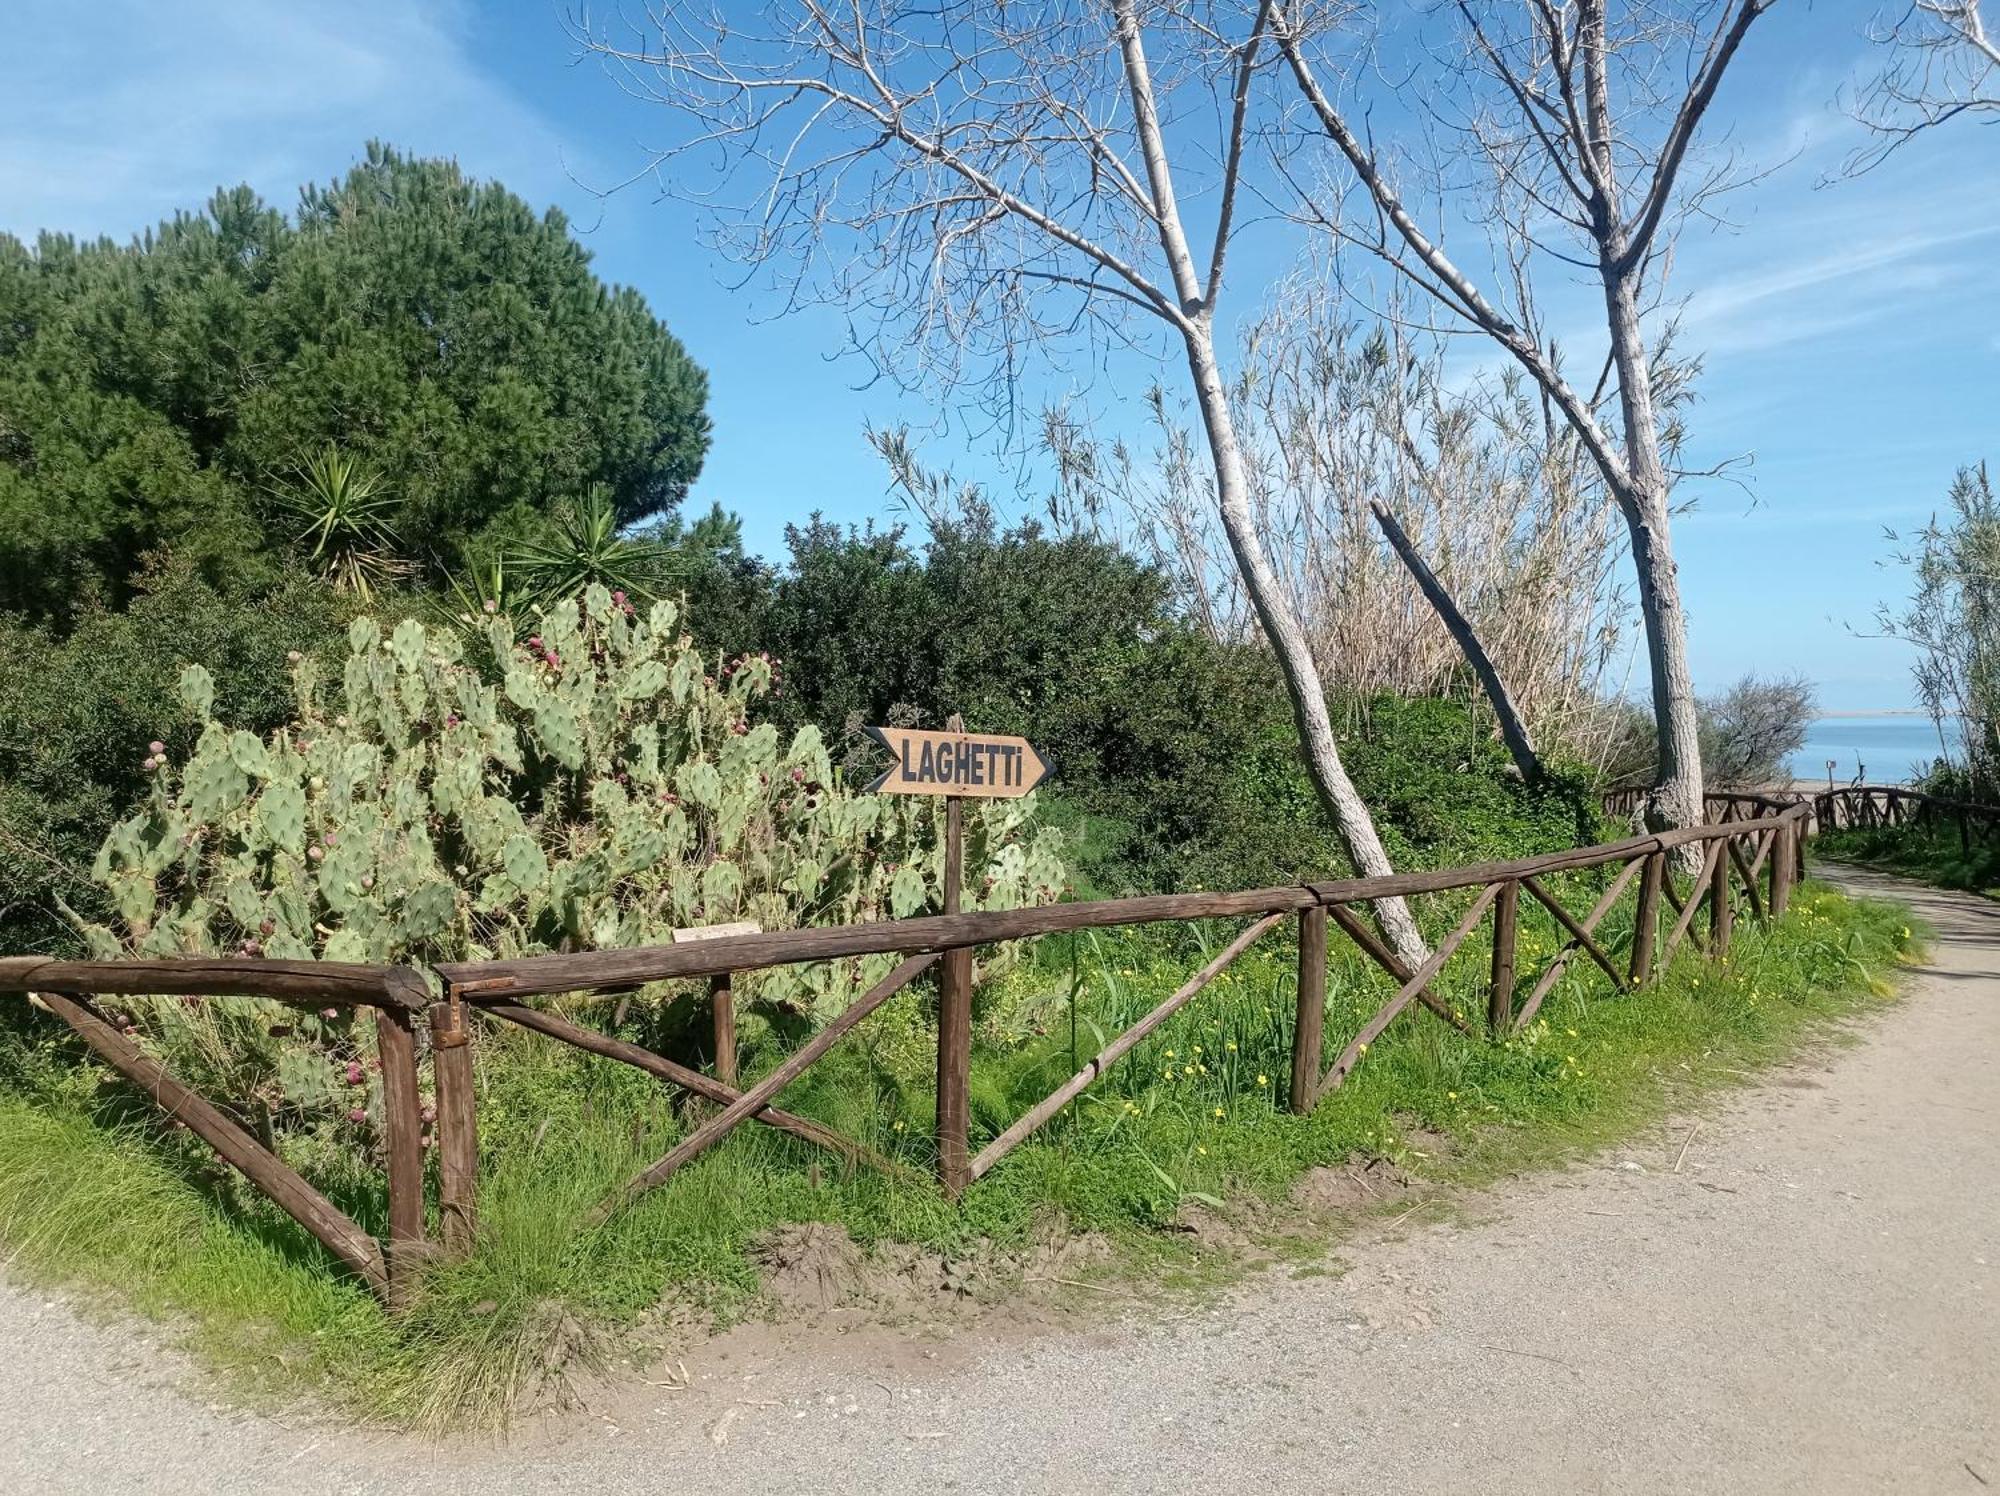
1208,788
76,714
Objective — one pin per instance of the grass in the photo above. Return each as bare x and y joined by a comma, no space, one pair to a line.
92,1194
1932,853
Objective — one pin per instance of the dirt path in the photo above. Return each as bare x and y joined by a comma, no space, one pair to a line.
1811,1304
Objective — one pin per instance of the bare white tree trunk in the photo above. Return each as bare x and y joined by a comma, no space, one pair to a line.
1642,488
1678,790
1288,642
1232,493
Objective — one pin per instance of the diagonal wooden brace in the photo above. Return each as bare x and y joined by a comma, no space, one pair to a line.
705,1086
754,1100
334,1230
1589,925
1419,980
1356,929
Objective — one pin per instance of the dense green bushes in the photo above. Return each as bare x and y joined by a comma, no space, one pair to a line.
1224,799
77,713
1176,756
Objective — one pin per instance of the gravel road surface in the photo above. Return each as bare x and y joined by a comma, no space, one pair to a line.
1810,1304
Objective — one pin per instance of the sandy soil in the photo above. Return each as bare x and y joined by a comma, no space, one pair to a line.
1797,1295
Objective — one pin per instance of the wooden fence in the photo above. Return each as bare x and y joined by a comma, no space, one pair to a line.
1750,857
1719,806
1863,807
1848,807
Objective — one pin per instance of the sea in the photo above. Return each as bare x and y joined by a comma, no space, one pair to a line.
1883,750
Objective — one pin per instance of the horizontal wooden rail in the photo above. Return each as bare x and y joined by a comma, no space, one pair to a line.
1915,797
531,976
324,984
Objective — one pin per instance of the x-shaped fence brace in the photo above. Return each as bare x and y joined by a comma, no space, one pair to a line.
1735,851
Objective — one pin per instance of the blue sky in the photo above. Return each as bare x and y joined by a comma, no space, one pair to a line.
1851,332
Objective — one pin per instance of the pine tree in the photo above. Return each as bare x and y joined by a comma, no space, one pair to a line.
160,396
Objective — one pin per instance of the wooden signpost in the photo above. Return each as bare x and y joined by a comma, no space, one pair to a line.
956,764
979,765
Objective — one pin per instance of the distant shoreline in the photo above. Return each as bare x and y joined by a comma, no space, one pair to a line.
1892,711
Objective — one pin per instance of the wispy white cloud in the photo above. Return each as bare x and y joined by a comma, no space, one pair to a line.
115,115
1815,295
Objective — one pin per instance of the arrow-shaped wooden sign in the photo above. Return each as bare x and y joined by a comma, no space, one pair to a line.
980,765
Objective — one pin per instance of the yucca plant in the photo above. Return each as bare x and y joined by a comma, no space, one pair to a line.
482,588
588,548
350,530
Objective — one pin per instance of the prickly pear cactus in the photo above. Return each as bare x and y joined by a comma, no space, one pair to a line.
596,783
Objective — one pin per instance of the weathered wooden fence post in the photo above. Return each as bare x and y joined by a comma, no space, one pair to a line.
457,1128
1309,1028
722,1014
396,1047
1646,918
954,1057
1784,860
1721,910
1506,924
